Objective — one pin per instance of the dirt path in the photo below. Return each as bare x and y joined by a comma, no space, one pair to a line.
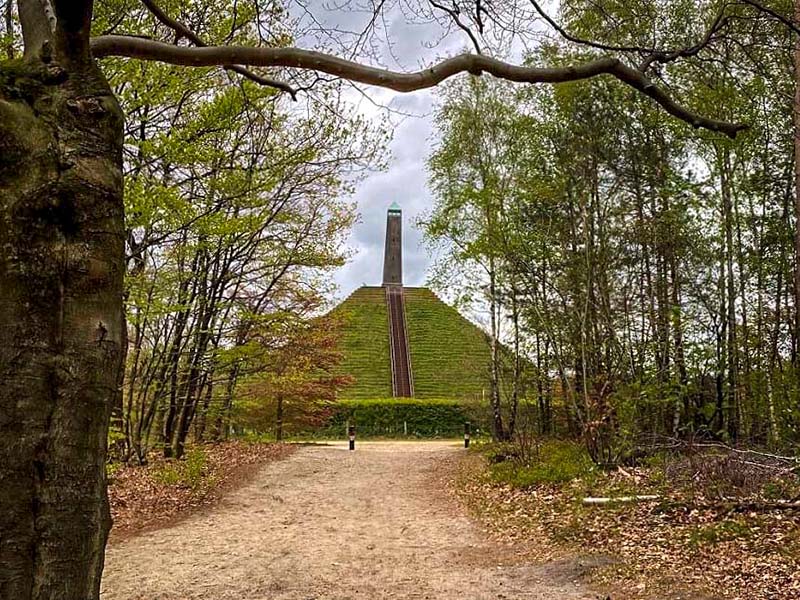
331,524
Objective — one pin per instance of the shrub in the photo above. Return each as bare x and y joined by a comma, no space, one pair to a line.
189,472
500,452
555,462
399,417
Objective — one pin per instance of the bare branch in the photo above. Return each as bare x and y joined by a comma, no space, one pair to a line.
774,14
143,49
584,42
183,31
664,57
453,12
653,55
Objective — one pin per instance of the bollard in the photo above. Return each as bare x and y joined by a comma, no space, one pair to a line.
466,434
351,433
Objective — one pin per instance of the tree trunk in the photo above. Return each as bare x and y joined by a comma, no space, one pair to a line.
515,386
61,322
279,419
730,301
494,378
682,401
796,328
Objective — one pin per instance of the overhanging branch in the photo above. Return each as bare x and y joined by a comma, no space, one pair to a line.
114,45
183,31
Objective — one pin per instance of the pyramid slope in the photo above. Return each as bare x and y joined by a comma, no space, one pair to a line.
365,343
449,354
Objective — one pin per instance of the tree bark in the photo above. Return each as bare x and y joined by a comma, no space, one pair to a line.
796,112
515,389
61,317
732,396
279,418
494,372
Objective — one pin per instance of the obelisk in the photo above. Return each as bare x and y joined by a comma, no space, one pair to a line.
393,255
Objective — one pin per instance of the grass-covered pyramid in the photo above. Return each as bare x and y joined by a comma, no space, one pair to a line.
449,354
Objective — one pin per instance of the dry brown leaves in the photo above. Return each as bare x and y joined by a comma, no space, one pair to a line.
673,548
142,497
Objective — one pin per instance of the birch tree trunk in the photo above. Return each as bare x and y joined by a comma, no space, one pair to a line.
796,336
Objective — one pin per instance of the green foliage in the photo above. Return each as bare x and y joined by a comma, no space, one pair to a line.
724,531
555,462
190,472
112,468
385,417
652,267
780,489
499,452
236,212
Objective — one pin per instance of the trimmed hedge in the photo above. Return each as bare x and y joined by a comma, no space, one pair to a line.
401,417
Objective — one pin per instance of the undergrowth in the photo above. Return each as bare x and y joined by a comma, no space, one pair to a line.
552,462
722,520
192,472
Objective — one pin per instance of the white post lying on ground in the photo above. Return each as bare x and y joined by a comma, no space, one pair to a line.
613,499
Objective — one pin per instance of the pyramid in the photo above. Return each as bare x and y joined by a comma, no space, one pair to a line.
405,341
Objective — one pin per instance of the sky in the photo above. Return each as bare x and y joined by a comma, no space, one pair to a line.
405,179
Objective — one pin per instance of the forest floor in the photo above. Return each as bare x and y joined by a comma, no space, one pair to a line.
165,491
717,525
384,521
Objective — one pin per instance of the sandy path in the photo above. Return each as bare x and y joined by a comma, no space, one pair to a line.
330,524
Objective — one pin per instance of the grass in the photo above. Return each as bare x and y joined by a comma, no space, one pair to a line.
449,354
554,462
365,343
717,532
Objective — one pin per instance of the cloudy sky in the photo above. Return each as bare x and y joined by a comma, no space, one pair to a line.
410,119
404,182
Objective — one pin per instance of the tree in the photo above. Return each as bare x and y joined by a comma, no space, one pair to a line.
652,269
234,206
62,243
472,174
297,383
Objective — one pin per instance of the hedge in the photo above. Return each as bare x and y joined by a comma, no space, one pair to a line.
402,417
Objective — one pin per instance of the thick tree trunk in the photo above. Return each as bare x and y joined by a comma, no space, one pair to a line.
61,323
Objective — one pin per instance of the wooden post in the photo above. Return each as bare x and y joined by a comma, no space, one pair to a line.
466,434
351,433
